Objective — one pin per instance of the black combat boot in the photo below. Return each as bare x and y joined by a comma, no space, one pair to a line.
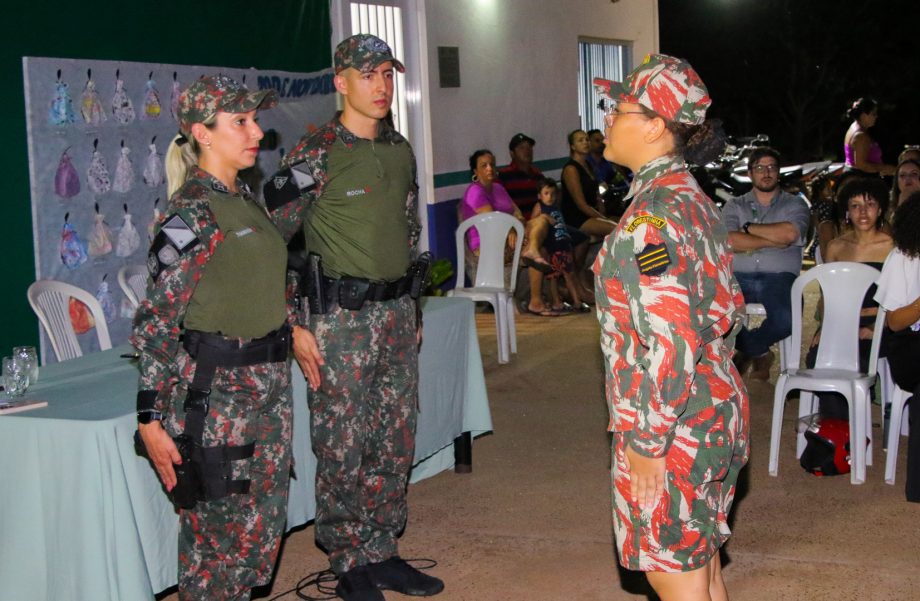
356,585
395,574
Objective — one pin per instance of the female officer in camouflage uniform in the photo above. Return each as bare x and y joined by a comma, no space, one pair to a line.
213,344
667,304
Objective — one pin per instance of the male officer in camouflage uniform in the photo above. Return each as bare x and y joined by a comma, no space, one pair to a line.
357,203
215,240
667,304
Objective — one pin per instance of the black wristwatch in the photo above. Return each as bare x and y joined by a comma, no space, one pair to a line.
148,415
745,228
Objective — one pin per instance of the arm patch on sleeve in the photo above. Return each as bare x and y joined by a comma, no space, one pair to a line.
174,239
287,185
653,259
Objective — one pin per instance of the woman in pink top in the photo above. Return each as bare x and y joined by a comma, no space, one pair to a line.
484,195
860,151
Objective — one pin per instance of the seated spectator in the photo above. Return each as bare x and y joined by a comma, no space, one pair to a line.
823,213
899,293
767,228
604,171
906,182
580,192
911,151
559,247
485,195
520,177
863,201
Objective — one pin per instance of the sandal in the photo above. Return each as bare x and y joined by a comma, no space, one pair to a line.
540,265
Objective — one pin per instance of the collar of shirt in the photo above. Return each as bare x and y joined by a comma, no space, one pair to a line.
211,182
385,133
653,170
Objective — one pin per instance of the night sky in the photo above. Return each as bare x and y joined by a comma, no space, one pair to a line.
791,68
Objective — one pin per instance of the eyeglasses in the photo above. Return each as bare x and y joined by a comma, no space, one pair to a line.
613,112
766,168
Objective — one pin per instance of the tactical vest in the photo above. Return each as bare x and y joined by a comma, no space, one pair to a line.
359,224
241,292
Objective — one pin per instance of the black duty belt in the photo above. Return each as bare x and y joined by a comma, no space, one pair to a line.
351,292
215,351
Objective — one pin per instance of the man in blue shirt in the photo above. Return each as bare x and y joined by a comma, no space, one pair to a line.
767,229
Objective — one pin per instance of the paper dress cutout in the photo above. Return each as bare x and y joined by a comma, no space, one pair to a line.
66,180
174,97
128,238
61,110
124,171
97,174
153,167
90,104
100,238
105,299
121,103
151,100
73,251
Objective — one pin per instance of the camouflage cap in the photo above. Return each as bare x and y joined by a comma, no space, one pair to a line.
667,85
364,52
212,94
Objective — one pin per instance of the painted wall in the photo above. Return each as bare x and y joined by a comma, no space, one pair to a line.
518,72
293,36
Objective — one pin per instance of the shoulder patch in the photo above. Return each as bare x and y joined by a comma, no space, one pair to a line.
653,259
287,185
658,222
174,239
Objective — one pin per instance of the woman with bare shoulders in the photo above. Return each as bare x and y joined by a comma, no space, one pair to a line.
860,151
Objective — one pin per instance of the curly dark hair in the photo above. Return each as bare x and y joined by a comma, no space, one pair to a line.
906,227
873,187
474,158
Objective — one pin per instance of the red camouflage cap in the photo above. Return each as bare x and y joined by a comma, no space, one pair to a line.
667,85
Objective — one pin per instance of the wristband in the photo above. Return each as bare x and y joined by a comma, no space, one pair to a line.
746,227
148,415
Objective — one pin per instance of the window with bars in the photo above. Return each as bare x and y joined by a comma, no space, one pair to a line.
385,22
599,58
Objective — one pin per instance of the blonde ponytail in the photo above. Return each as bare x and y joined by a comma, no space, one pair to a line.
180,158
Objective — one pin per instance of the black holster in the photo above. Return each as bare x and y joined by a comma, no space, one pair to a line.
205,473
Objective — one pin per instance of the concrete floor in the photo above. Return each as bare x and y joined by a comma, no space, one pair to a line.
532,521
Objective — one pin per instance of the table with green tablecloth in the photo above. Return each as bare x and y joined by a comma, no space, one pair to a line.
83,517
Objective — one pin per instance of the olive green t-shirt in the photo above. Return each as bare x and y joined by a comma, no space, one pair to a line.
359,223
241,292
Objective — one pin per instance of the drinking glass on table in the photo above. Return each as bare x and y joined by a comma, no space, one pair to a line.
29,357
15,376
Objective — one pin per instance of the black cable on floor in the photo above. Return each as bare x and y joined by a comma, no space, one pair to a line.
324,582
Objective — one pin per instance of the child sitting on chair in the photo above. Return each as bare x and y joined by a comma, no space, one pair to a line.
559,247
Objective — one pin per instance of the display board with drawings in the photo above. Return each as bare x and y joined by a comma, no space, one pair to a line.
97,134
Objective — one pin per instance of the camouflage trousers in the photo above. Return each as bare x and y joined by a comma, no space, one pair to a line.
689,523
362,424
229,545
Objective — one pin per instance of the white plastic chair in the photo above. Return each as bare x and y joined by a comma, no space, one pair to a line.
49,300
761,311
843,286
897,397
489,283
132,279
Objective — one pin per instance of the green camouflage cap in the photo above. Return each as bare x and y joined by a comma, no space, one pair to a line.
212,94
667,85
364,52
